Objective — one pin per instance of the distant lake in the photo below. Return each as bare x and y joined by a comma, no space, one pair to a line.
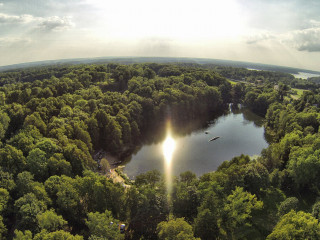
305,75
240,131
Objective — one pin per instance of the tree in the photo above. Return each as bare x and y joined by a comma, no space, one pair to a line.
37,163
296,225
206,224
77,158
176,229
6,180
149,178
287,205
238,92
80,133
103,225
109,131
4,124
148,73
4,197
36,120
237,213
50,221
68,202
188,177
61,235
27,209
282,91
97,193
19,235
48,146
256,178
12,159
26,184
105,166
58,165
185,201
316,210
146,207
305,162
24,140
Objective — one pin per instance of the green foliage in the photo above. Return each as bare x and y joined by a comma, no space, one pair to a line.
4,124
56,235
19,235
36,120
206,224
27,208
54,119
104,165
4,197
237,213
146,207
305,162
103,225
316,210
150,178
296,225
185,200
12,160
6,180
188,177
256,178
287,205
50,221
27,235
58,165
37,163
176,229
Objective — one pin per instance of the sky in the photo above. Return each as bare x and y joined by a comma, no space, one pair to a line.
278,32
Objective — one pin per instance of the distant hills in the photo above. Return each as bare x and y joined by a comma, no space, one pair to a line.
130,60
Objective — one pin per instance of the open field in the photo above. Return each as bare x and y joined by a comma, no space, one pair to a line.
298,94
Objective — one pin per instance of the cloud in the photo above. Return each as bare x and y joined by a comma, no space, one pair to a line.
56,23
1,4
259,37
314,23
10,41
307,39
7,19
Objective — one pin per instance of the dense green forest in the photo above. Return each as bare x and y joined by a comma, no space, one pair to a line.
54,119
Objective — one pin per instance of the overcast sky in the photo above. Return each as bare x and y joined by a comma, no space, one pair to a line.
279,32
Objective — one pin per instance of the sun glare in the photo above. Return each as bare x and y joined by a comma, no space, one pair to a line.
182,21
168,148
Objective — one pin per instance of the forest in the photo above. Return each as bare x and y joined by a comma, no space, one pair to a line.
54,119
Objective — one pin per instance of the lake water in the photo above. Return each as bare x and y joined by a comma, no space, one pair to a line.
305,75
240,131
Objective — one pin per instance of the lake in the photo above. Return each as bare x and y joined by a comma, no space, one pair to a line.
305,75
240,131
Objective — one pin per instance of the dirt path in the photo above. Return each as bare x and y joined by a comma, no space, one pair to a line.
113,163
117,178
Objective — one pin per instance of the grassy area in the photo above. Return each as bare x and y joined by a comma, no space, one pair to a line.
232,82
298,93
